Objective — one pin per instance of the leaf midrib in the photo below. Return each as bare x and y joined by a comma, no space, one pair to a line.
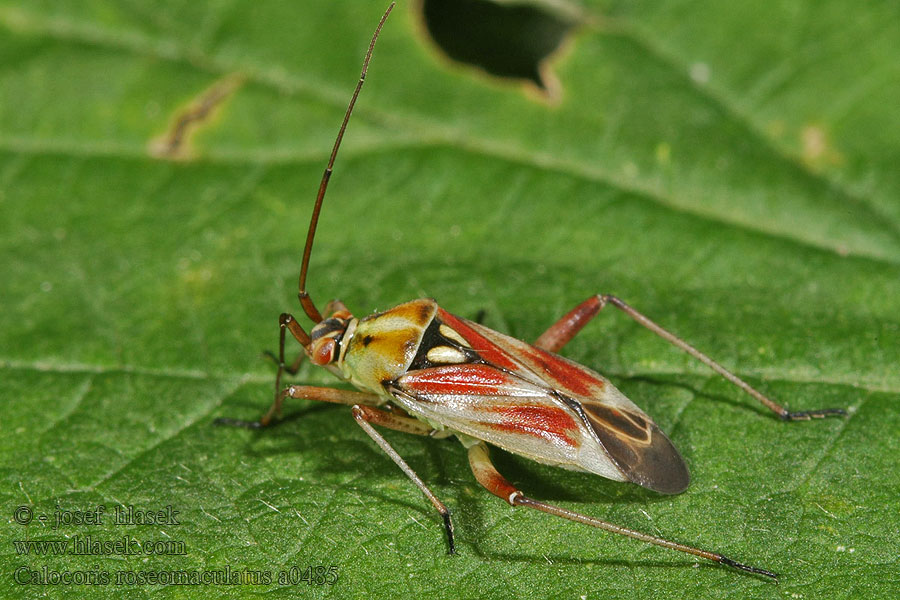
769,374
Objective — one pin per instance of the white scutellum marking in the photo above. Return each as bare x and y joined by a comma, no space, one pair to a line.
452,334
445,355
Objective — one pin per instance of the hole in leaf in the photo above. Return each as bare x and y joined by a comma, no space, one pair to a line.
511,40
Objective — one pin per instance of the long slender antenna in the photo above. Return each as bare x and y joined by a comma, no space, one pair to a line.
308,306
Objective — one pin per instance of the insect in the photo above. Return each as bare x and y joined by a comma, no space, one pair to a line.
420,369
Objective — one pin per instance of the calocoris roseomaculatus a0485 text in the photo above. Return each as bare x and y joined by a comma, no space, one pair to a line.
420,369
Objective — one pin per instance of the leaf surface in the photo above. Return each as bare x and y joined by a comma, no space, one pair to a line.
731,172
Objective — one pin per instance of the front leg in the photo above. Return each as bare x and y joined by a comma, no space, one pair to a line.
365,416
561,332
304,392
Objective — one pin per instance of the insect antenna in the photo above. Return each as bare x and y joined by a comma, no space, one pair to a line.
309,306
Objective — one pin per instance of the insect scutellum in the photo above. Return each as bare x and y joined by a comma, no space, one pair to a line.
422,370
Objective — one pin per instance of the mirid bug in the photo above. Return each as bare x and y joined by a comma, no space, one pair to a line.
420,369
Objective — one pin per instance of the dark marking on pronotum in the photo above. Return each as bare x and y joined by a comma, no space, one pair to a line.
425,311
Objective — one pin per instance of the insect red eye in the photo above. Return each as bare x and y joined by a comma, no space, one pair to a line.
323,353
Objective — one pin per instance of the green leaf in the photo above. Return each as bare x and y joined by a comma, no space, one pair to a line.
729,170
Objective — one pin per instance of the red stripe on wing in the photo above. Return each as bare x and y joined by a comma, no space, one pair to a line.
553,424
516,355
488,350
465,379
574,379
492,399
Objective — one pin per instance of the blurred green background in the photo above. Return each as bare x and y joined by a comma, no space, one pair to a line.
730,170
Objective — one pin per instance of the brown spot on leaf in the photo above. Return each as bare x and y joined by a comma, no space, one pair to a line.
817,150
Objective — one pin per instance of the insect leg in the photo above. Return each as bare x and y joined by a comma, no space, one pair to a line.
569,325
365,415
290,370
304,392
396,421
289,323
286,322
488,476
561,333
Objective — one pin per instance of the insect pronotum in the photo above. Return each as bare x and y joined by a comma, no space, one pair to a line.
422,370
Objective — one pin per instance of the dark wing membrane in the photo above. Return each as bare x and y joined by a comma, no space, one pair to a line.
639,448
630,439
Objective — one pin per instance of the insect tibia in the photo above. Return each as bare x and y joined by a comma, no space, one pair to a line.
778,409
520,500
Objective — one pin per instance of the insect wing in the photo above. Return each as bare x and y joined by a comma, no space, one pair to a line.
540,405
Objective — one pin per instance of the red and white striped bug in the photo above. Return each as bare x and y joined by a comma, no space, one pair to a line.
420,369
